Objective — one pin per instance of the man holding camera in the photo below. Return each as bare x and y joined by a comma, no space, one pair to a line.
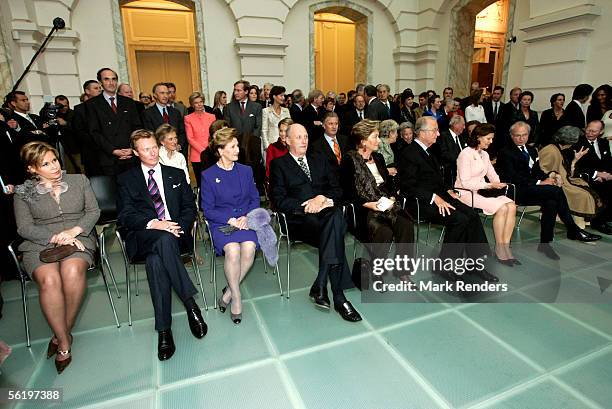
25,127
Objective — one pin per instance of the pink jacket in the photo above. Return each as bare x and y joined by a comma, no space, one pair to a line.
196,127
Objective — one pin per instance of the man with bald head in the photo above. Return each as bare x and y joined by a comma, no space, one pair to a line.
422,183
303,186
126,90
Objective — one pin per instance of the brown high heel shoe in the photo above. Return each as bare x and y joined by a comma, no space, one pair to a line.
53,347
61,365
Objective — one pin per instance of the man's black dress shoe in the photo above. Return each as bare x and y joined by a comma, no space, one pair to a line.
165,345
196,323
485,275
347,312
448,275
548,251
319,296
604,228
583,235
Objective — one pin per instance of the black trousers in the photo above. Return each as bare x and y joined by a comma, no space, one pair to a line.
552,202
325,230
464,231
604,191
165,271
383,230
197,171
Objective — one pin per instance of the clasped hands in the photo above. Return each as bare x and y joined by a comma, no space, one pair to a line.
316,204
603,176
171,227
123,154
68,237
240,223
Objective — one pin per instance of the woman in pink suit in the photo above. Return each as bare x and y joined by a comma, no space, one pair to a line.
473,165
196,126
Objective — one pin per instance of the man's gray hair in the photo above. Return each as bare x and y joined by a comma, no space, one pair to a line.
456,120
566,135
520,124
381,86
450,101
422,123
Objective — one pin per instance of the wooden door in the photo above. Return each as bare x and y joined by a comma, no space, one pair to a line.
334,53
166,66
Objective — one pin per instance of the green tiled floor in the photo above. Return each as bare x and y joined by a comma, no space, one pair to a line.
287,354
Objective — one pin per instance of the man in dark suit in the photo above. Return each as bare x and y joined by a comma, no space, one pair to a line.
242,114
126,90
420,179
161,113
312,115
354,115
332,145
492,106
303,188
596,168
519,164
112,119
25,127
179,106
298,105
157,211
575,111
80,129
449,145
376,110
505,119
383,92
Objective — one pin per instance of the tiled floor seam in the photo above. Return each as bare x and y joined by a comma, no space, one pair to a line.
429,389
290,386
576,394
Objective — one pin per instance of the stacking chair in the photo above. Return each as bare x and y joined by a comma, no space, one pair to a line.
213,264
24,279
191,255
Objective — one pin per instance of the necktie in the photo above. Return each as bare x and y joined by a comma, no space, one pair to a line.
388,107
304,167
360,114
242,107
113,106
160,209
31,120
165,115
525,153
596,149
337,150
495,110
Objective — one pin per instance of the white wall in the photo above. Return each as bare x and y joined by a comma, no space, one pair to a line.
599,58
92,19
222,63
517,52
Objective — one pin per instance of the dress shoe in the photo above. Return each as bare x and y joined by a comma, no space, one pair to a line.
347,312
222,304
63,364
486,276
583,235
165,345
319,296
196,323
53,347
448,275
548,251
508,262
515,261
604,228
236,318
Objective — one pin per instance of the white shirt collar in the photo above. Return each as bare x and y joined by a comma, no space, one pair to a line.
421,144
145,169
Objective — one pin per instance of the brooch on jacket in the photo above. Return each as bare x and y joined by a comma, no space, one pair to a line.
27,191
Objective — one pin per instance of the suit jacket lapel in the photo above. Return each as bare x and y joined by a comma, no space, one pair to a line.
141,182
429,159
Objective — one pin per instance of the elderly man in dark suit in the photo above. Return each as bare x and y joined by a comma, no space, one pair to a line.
161,113
596,168
376,110
80,129
157,211
352,116
449,145
303,187
332,146
312,115
421,182
242,114
519,164
112,119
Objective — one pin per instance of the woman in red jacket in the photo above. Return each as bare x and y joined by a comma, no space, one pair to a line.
196,126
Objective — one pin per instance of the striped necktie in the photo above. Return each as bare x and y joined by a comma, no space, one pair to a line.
337,150
304,167
160,209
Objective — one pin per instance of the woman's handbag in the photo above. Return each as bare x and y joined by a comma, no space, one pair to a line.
57,253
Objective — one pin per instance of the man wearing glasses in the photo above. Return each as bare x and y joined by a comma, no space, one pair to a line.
422,184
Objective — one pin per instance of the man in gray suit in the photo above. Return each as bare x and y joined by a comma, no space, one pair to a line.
242,114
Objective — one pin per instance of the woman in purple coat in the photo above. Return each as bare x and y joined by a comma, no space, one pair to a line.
228,194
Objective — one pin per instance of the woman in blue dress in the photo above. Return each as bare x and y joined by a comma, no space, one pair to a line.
228,194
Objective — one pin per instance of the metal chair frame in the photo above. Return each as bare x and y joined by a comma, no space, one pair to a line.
134,263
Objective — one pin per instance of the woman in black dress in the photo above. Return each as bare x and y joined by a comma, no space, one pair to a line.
551,120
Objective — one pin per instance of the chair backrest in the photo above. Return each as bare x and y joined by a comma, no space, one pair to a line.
12,249
105,189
